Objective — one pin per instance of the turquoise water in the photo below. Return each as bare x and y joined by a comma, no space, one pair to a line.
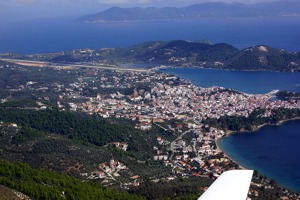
272,150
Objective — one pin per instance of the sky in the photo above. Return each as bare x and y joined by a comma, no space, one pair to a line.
31,9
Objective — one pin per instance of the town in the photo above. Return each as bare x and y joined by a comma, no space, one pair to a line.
153,99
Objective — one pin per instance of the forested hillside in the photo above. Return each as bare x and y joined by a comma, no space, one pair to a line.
41,184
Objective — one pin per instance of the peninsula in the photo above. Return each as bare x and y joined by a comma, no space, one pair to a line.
176,53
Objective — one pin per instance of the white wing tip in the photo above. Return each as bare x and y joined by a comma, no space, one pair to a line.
233,185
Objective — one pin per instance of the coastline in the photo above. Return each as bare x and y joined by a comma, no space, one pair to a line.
241,164
229,133
205,78
166,66
227,156
257,128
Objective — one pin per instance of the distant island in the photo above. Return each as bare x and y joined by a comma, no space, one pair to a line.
179,53
196,11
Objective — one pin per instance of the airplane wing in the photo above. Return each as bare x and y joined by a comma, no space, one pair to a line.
231,185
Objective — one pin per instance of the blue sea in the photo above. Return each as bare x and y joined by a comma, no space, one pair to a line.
53,35
273,150
253,82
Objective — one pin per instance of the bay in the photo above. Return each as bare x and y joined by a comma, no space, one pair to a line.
272,150
257,150
254,82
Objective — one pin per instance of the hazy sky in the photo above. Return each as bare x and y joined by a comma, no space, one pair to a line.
14,9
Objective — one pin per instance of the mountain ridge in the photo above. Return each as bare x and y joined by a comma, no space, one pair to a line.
222,56
195,11
182,53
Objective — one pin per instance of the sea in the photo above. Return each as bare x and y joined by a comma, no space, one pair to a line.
252,82
53,35
272,150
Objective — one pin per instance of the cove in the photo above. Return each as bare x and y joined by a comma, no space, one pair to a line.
272,150
253,82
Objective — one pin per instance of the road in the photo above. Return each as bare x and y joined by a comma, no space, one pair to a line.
49,64
178,138
165,129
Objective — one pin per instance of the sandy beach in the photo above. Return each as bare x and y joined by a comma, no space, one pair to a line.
226,155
